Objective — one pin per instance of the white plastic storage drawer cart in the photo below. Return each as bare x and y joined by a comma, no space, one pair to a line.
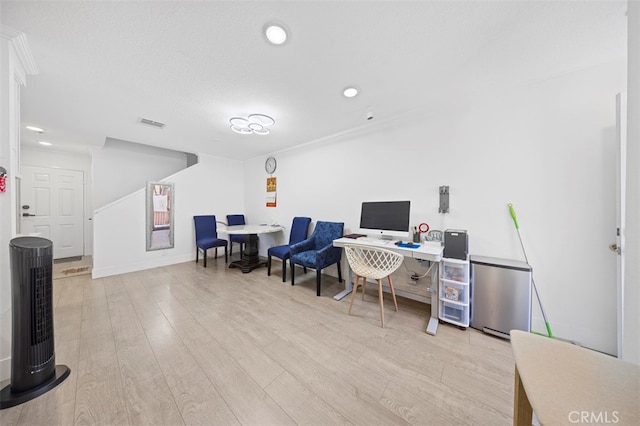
454,293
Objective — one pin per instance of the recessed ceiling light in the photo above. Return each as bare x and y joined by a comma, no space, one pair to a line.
275,33
35,129
350,92
45,143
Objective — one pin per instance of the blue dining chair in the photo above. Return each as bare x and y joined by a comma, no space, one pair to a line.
299,232
207,237
317,252
232,220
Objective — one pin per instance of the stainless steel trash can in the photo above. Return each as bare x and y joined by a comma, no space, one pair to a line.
500,295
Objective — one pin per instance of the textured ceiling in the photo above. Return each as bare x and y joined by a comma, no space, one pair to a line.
193,65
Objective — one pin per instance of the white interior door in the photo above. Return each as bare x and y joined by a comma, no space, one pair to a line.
52,206
621,188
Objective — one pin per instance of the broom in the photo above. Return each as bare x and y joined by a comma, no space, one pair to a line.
544,316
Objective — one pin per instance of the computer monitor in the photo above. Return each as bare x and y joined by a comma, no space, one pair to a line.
387,219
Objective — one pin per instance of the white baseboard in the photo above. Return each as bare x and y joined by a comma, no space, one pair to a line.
139,266
5,369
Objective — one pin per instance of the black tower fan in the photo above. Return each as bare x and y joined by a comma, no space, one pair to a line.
33,368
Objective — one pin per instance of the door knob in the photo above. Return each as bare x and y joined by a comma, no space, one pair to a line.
614,248
27,214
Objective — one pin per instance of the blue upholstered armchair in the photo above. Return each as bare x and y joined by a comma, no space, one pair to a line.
317,252
207,237
232,220
299,232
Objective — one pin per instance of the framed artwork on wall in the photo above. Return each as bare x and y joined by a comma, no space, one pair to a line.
271,192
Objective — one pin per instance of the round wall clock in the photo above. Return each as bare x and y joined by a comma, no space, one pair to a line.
270,165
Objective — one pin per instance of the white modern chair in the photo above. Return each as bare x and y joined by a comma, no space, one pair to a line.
374,263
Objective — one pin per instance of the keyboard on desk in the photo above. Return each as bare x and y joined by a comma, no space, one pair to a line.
376,241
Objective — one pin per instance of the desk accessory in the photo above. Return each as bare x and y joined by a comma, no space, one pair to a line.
434,235
423,228
408,245
354,236
456,244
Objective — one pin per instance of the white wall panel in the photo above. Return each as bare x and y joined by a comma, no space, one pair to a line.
631,341
548,148
121,168
213,186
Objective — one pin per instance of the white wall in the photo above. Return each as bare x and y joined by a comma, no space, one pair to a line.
122,167
548,148
70,161
16,62
631,340
213,186
6,207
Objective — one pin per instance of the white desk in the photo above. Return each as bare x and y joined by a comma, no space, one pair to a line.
250,259
427,251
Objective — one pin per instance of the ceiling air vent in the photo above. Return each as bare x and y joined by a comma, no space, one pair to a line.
152,123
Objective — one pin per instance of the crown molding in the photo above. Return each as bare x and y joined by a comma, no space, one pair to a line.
19,41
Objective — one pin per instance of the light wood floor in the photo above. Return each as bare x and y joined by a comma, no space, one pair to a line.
187,345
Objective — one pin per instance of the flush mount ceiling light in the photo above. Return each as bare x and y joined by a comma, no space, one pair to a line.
257,124
35,129
45,143
350,92
276,33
